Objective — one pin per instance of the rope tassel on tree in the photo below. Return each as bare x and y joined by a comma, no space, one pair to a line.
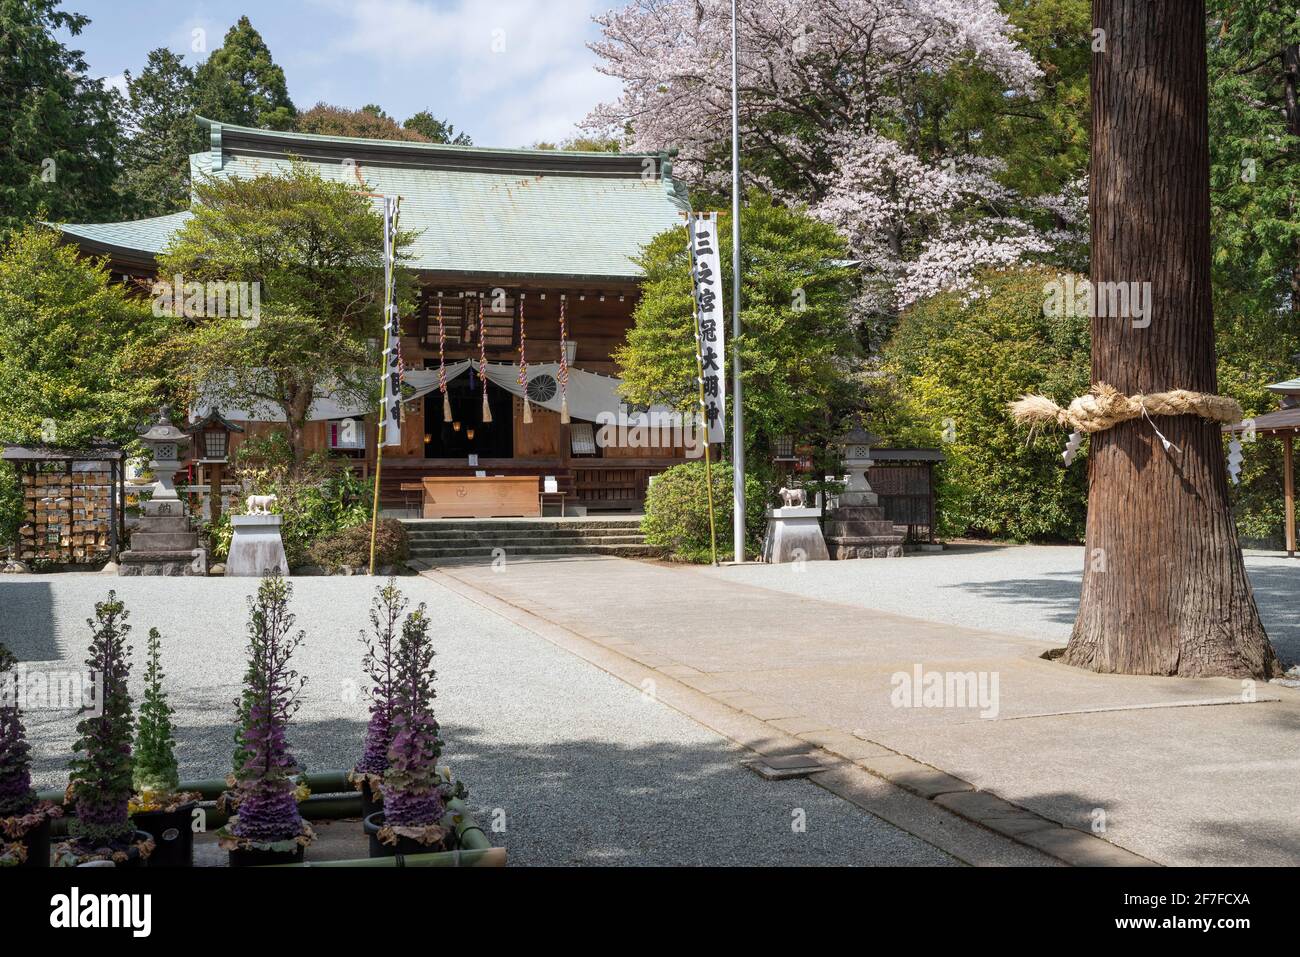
1105,406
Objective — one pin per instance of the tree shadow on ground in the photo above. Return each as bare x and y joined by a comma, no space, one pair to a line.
1056,593
1277,593
594,802
27,620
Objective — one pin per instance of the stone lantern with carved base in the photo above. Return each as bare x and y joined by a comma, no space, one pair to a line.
856,526
162,543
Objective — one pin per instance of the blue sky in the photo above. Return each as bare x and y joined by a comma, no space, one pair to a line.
508,72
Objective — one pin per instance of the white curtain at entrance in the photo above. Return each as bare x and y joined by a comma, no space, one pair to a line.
589,393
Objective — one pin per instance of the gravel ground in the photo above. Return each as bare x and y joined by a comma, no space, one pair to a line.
1029,590
579,767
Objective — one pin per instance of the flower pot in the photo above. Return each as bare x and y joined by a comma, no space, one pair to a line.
264,856
370,804
133,856
37,843
404,845
173,833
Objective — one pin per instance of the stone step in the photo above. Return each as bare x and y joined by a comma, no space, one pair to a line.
532,551
856,529
439,534
163,541
425,548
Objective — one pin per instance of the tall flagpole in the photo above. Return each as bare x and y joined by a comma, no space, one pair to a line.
738,413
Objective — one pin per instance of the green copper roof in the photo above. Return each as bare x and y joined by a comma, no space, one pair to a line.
141,235
476,210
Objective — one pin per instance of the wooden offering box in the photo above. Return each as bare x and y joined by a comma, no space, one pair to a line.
489,496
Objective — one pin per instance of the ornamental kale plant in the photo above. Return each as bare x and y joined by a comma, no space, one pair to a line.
268,808
155,756
101,776
16,795
379,664
412,793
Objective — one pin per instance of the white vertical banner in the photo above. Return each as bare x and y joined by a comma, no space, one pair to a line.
390,392
710,345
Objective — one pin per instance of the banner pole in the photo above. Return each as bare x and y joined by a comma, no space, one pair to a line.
737,392
699,378
381,436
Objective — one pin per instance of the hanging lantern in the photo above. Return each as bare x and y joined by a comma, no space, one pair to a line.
564,363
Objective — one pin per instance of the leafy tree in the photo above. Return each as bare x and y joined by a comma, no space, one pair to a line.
859,109
74,347
161,134
59,150
76,359
435,130
100,777
241,84
264,768
797,332
584,144
155,744
314,249
1254,69
677,512
380,665
414,802
369,122
947,375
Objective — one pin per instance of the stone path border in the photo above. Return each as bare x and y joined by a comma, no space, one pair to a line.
924,801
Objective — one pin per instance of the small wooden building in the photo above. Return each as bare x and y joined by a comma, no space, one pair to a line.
73,503
514,231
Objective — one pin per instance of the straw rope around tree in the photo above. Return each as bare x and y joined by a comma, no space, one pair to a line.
1105,406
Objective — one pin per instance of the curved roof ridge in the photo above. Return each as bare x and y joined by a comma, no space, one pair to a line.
402,145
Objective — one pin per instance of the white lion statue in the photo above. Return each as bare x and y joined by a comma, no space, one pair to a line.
793,497
259,504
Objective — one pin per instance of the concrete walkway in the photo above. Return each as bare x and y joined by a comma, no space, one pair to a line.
1175,771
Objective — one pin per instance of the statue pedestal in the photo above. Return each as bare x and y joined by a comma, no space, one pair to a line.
794,535
256,547
857,528
162,543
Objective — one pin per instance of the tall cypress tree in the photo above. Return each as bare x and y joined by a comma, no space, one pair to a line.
241,84
159,119
59,139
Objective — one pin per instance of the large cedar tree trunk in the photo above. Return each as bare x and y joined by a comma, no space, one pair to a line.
1165,589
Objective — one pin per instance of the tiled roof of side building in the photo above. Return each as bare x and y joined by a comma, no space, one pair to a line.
498,212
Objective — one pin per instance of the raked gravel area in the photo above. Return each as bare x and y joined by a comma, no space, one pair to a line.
579,767
1029,590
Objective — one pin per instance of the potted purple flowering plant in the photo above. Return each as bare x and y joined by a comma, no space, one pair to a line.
415,792
267,828
100,777
24,821
158,805
380,666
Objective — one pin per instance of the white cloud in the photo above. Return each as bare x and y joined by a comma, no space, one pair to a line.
115,82
513,71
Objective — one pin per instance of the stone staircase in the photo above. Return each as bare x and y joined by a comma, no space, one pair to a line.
444,541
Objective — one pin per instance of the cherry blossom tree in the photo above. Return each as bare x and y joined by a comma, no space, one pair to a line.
844,108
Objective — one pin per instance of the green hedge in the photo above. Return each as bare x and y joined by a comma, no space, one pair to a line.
677,513
351,546
950,369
